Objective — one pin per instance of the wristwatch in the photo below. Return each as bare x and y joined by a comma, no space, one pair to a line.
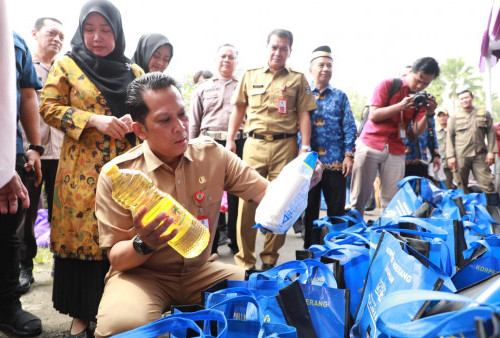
39,149
140,247
306,148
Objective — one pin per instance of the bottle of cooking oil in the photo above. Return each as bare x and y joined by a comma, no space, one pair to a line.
133,189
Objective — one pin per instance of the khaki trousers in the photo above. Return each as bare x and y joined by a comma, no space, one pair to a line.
480,170
268,158
367,161
139,296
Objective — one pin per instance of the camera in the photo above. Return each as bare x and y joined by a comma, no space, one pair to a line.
420,99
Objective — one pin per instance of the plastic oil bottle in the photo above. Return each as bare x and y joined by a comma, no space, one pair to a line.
132,189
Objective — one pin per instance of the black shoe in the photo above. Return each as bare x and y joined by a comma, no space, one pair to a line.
87,332
25,279
21,323
267,266
233,247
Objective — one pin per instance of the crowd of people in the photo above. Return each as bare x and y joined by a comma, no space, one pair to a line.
93,107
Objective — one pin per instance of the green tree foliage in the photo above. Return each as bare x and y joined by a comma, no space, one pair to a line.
455,76
187,87
357,102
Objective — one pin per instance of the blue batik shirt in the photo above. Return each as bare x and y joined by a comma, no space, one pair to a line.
333,130
423,141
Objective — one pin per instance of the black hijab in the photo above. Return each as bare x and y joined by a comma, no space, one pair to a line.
147,45
112,73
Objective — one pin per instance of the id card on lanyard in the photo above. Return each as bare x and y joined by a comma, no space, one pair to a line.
402,128
282,102
199,197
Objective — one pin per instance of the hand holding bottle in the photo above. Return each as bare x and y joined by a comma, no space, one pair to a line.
151,233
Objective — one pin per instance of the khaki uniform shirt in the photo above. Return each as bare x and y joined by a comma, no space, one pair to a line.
260,90
205,167
211,106
441,137
467,132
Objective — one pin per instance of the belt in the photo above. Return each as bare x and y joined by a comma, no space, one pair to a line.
222,135
269,137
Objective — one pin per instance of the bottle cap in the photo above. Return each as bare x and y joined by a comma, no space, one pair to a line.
113,170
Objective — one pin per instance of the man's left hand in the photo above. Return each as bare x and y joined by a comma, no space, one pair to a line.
34,163
347,166
317,174
437,163
490,159
431,105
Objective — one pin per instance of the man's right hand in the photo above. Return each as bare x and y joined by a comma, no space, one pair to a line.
231,145
406,103
9,194
452,163
151,233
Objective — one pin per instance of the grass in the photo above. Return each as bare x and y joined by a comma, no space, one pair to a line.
43,256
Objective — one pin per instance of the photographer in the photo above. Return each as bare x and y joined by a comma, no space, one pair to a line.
380,145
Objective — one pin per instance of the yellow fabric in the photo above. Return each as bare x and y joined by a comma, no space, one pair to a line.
69,99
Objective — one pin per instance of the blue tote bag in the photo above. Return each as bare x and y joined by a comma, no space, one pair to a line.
392,269
481,266
450,324
177,325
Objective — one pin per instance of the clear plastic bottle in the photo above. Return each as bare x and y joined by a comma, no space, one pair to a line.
132,188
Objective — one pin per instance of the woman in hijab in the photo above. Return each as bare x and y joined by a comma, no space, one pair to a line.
84,97
154,52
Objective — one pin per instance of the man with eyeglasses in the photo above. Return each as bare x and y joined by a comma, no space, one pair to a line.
209,115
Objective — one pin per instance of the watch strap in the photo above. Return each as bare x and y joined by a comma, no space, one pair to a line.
140,247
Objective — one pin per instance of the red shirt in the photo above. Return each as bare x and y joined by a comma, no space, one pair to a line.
377,135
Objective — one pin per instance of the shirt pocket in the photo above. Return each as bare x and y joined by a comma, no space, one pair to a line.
462,126
210,100
481,122
255,97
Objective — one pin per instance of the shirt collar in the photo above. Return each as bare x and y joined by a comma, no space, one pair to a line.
316,90
153,162
267,69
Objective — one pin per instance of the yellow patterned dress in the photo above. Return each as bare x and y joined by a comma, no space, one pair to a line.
69,99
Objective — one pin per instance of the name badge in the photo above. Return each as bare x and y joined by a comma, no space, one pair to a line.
282,105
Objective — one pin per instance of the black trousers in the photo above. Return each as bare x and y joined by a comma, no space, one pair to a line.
9,250
232,205
333,185
25,231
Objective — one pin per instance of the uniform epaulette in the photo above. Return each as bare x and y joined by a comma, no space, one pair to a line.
132,154
481,112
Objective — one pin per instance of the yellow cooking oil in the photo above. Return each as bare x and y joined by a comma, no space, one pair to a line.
133,189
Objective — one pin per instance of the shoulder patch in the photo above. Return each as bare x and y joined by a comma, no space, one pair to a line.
481,112
307,89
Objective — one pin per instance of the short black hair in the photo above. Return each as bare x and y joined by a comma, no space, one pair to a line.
41,21
205,73
282,33
426,65
466,91
135,104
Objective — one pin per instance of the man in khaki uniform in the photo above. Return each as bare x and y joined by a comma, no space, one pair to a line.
146,274
277,101
465,146
441,131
